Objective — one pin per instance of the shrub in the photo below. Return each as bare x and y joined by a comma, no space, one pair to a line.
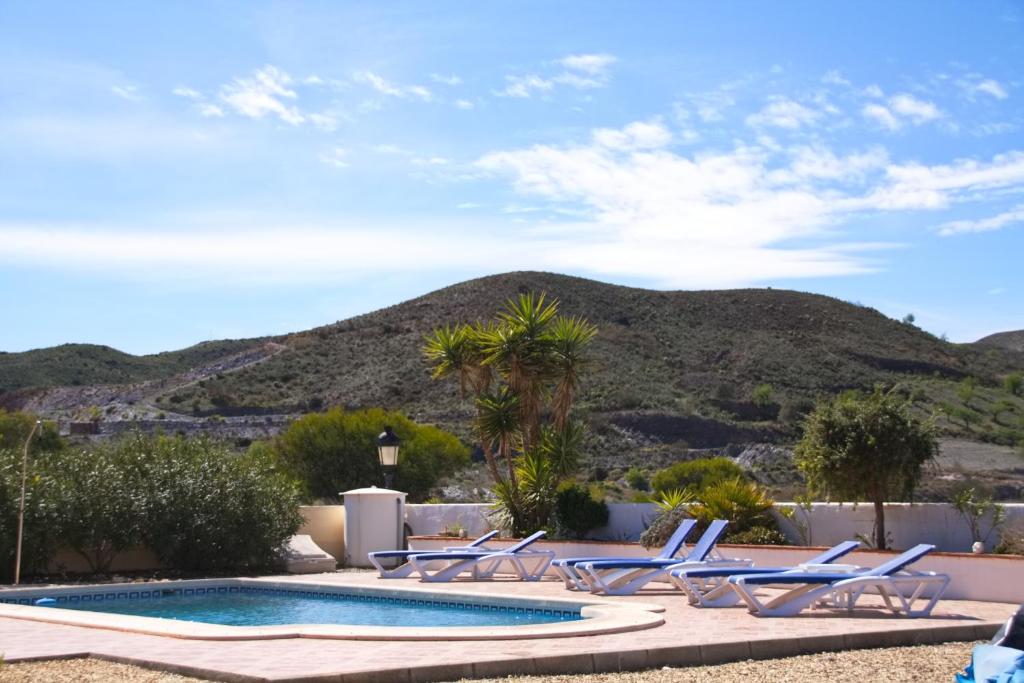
636,479
661,529
745,504
337,450
761,396
40,541
203,507
1011,540
1013,383
95,499
696,475
577,511
758,535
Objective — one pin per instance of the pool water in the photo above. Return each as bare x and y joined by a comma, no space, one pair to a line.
274,608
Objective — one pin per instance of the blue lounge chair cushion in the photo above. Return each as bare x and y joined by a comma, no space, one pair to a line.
634,563
796,577
826,557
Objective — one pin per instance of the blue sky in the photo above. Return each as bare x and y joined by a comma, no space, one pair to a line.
174,172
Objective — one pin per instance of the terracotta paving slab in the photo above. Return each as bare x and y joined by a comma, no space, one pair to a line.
689,636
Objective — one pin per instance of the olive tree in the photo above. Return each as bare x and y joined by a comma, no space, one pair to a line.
865,447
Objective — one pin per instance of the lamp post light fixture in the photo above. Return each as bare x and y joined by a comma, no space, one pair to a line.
387,450
21,504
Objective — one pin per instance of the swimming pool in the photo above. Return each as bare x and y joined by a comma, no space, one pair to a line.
354,608
258,606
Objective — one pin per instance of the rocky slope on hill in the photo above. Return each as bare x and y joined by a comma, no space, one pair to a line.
670,370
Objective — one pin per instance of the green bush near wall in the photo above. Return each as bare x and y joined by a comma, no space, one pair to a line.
336,451
198,505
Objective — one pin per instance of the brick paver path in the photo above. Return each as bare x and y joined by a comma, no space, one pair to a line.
689,636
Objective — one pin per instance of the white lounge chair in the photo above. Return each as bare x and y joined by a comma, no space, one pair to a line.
566,567
406,568
626,577
901,589
529,565
709,586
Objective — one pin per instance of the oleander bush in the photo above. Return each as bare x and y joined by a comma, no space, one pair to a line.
197,504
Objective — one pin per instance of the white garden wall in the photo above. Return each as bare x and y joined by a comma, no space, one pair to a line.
828,523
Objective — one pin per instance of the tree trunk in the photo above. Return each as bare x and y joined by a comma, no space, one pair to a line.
880,522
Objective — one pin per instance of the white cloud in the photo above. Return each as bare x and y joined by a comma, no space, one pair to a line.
881,115
386,87
326,122
635,136
261,94
312,79
582,72
429,161
594,64
902,108
524,86
257,255
468,205
127,92
998,222
188,93
874,91
834,77
918,111
335,157
783,112
992,87
710,105
675,218
464,104
450,79
974,84
917,186
210,110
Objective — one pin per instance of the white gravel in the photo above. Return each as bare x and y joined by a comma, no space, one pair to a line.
923,664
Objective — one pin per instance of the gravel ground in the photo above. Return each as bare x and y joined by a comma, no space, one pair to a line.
924,664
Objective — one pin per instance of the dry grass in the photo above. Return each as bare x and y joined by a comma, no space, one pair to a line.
923,663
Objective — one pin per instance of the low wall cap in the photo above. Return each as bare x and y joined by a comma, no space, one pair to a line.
373,491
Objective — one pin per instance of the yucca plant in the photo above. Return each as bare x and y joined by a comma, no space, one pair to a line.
523,371
743,503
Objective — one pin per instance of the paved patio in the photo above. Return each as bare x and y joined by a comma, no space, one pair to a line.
689,636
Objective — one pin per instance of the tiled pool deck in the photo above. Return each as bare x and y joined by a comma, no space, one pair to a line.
689,636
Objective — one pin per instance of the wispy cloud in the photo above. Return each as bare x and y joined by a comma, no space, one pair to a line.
449,79
127,92
783,112
386,87
1006,219
335,157
186,92
975,84
903,108
581,71
264,93
524,86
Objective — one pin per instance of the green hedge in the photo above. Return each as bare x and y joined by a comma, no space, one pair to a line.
195,503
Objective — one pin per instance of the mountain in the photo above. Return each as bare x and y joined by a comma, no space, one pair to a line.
1014,341
669,370
84,364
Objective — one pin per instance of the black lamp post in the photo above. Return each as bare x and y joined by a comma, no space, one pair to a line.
387,449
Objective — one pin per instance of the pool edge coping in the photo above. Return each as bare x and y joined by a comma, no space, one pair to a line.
600,617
